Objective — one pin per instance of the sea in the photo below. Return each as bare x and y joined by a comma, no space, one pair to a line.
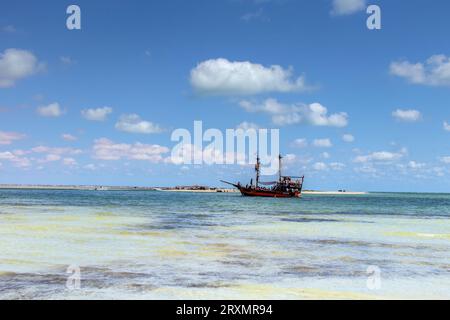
69,244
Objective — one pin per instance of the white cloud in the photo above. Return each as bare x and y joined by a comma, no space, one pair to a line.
325,155
70,162
415,165
134,124
19,158
446,126
56,150
9,137
21,162
98,114
380,156
320,166
300,143
105,149
16,158
51,158
433,72
367,168
345,7
16,64
247,125
289,159
282,114
51,110
68,137
337,166
322,143
445,159
6,155
187,153
407,115
438,171
90,166
348,138
223,77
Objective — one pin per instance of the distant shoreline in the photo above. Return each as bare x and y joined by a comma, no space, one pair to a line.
193,189
350,193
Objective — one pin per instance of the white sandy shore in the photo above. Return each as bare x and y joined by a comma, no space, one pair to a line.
199,191
304,192
349,193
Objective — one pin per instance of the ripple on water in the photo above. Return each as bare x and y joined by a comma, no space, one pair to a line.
168,245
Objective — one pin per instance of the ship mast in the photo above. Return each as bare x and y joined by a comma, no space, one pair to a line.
257,170
279,167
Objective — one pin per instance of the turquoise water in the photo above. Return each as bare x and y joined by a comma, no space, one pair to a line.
168,245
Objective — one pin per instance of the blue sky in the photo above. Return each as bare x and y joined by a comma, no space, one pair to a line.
98,105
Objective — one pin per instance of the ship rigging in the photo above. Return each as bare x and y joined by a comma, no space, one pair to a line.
285,187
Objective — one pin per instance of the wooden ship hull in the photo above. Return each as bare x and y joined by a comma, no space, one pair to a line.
250,192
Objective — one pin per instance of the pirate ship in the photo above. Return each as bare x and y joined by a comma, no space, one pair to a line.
285,187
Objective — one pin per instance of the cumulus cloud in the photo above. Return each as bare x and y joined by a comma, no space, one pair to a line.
348,138
105,149
367,168
415,165
320,166
283,114
322,143
325,155
247,125
6,155
445,159
54,153
52,110
223,77
380,156
134,124
16,158
98,114
70,162
16,64
446,126
337,166
300,143
290,158
435,71
90,166
346,7
68,137
25,158
188,153
438,171
422,170
407,115
56,150
51,158
10,137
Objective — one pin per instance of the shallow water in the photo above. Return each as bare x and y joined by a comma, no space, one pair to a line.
164,245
